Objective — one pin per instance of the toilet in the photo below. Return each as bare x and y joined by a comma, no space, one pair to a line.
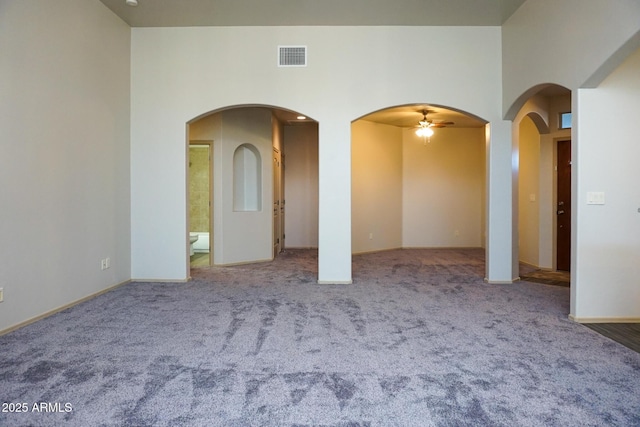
193,237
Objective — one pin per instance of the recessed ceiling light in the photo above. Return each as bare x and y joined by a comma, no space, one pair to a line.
301,117
131,2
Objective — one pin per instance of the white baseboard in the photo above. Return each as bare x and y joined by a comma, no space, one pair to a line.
501,282
375,251
604,319
232,264
61,308
300,247
335,282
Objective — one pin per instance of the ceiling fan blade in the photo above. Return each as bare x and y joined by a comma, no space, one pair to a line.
441,124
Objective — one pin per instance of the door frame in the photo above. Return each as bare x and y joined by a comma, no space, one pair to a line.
278,202
210,169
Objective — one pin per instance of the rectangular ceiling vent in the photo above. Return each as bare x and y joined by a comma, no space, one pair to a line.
292,56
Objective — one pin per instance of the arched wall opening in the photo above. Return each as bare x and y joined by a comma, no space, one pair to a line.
247,213
410,191
538,133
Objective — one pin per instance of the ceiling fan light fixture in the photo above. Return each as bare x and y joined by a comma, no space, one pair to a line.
131,2
424,132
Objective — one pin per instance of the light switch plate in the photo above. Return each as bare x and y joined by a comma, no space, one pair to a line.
595,198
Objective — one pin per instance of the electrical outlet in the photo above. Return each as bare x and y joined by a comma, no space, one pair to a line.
108,262
1,294
370,236
456,233
103,264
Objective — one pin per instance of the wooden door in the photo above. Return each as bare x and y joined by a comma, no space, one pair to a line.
563,210
277,203
282,183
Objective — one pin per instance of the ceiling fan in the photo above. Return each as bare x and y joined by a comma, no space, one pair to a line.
425,126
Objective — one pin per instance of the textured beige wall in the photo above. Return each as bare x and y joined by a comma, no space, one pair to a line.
376,183
65,180
301,186
408,194
443,189
607,237
172,85
199,191
528,187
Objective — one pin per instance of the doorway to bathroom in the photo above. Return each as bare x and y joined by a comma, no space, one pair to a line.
247,191
200,205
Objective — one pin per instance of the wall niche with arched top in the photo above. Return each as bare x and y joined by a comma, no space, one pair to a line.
247,179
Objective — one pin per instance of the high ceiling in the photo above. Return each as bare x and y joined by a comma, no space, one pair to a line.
188,13
408,116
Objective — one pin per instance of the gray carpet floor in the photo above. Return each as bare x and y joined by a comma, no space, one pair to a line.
418,340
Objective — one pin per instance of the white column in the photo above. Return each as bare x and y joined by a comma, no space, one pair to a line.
502,251
334,216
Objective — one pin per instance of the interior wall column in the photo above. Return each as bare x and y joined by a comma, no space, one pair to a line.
501,250
575,299
334,198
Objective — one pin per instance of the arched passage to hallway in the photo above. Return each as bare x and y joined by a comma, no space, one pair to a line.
247,217
410,191
543,217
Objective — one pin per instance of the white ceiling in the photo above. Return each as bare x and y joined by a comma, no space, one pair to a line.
189,13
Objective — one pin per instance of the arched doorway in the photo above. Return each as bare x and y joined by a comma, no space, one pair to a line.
418,191
247,195
542,145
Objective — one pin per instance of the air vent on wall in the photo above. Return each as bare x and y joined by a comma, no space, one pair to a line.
292,56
